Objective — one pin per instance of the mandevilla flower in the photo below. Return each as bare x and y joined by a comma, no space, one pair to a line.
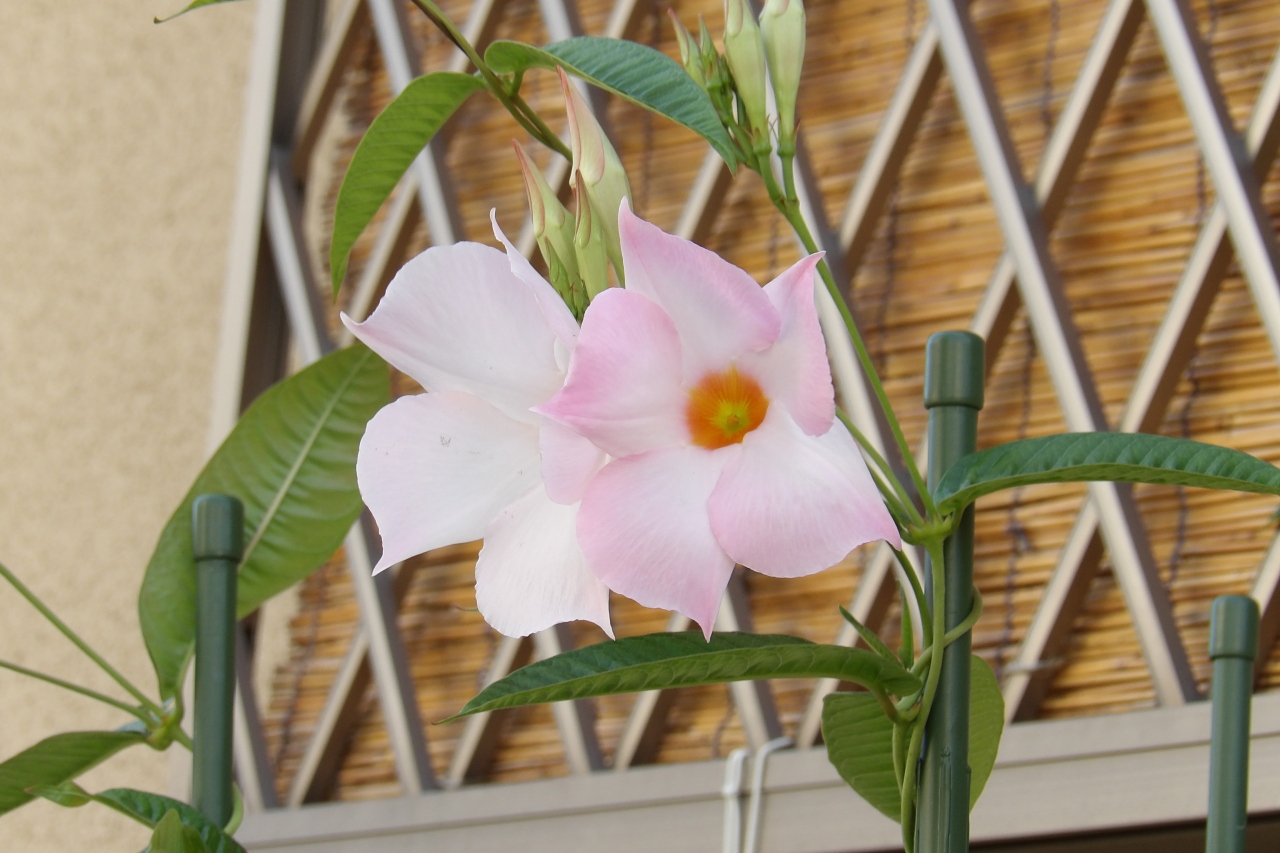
714,397
488,338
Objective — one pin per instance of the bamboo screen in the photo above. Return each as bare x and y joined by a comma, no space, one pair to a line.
1120,243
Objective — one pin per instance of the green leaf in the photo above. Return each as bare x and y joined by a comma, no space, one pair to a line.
633,71
868,636
986,725
859,739
57,759
388,148
150,809
1117,456
291,460
68,794
174,836
659,661
194,4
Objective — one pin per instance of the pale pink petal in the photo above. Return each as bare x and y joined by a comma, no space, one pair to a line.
719,310
794,371
623,390
556,313
643,525
569,461
793,504
455,319
435,469
531,573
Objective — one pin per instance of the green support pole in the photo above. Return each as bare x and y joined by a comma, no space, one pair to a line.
953,379
217,531
1233,644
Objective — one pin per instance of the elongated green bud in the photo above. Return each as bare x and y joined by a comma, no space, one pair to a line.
744,51
604,181
690,56
552,225
782,24
589,242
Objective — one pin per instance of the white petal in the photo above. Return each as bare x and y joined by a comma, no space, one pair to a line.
436,468
456,319
793,504
645,530
531,573
557,314
569,461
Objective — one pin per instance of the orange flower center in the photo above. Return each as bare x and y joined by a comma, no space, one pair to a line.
723,408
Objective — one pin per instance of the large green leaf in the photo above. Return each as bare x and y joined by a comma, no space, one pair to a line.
58,759
659,661
291,460
986,724
1126,457
173,836
389,145
859,739
633,71
146,808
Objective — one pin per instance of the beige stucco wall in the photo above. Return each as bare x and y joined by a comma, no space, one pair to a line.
118,149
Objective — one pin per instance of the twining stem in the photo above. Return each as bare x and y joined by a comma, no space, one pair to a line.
76,688
514,104
954,634
938,574
917,590
791,212
79,643
881,463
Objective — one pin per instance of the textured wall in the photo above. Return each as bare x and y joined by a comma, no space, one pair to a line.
118,148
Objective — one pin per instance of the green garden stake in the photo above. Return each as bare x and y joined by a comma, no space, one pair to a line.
217,532
1233,644
953,379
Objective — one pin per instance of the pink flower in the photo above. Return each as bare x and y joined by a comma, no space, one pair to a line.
714,397
488,338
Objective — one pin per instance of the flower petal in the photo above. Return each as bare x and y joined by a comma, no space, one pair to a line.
643,525
792,504
531,573
435,469
794,371
456,319
556,313
569,461
719,310
623,390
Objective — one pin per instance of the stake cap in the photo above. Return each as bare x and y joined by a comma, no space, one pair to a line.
1233,627
954,370
217,527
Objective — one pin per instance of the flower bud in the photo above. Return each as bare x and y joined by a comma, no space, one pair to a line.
589,242
552,225
782,24
744,51
604,180
690,56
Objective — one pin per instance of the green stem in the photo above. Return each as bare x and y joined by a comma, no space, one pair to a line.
881,463
79,643
930,690
76,688
951,636
794,217
918,591
519,110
